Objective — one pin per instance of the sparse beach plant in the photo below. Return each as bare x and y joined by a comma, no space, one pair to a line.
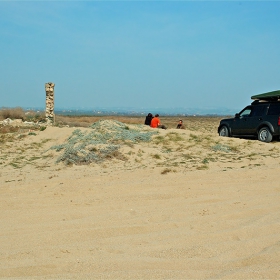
221,148
234,149
34,158
156,156
252,155
15,165
32,133
187,156
166,170
197,139
158,138
205,161
166,149
174,136
202,167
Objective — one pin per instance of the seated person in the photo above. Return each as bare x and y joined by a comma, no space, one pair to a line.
180,125
148,119
155,123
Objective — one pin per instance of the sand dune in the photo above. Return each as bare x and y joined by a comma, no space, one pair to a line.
185,205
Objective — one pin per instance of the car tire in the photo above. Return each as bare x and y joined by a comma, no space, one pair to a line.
264,135
224,131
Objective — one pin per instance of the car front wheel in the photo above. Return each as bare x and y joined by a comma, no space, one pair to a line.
224,131
265,135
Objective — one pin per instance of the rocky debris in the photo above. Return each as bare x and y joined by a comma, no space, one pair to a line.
19,122
9,121
29,123
6,121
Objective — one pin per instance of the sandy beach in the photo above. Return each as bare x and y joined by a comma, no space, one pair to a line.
187,204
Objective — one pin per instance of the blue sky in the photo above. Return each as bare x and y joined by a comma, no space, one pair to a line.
141,54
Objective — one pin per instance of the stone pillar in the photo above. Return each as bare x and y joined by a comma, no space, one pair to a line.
49,87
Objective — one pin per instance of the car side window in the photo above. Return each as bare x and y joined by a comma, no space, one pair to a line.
258,110
274,109
246,112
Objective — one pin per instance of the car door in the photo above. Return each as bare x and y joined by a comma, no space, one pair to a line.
241,122
256,117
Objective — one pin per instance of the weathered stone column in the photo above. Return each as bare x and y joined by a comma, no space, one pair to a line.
49,87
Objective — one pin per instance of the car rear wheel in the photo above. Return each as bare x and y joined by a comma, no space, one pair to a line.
265,135
224,131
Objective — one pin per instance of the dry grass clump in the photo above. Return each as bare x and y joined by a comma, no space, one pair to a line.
168,139
19,113
4,138
8,129
156,156
20,129
174,137
12,113
32,116
167,170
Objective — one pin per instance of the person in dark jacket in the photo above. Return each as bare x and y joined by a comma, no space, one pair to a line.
180,125
148,119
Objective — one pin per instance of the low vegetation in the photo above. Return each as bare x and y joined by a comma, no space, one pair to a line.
19,113
101,143
124,142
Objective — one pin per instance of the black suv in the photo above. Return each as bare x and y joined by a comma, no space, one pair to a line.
261,120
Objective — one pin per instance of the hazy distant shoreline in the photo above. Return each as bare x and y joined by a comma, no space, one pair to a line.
137,112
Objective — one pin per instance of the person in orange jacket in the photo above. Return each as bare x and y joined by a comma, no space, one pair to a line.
155,123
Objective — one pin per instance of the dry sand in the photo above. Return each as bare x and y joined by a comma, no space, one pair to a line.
181,209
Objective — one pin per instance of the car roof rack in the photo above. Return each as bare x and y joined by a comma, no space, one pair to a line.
258,101
268,96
